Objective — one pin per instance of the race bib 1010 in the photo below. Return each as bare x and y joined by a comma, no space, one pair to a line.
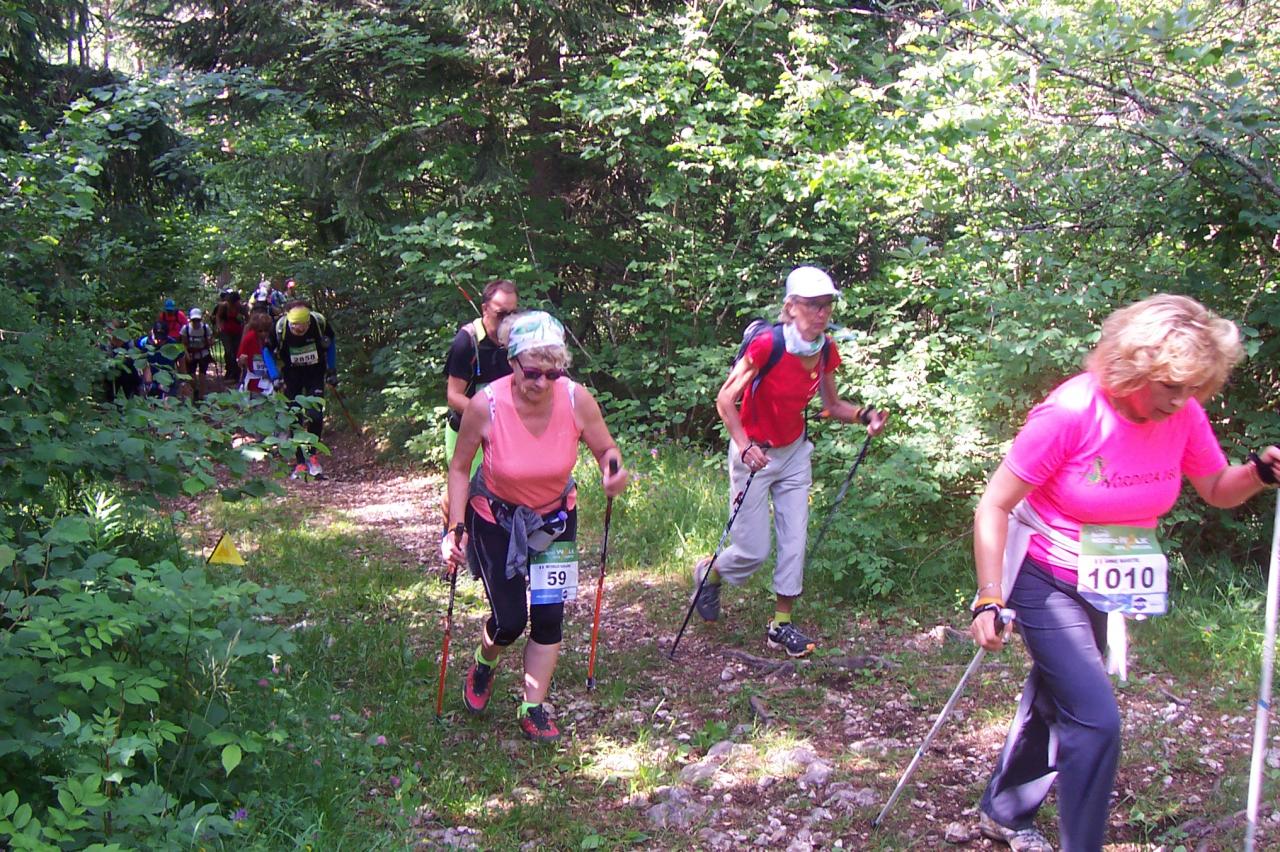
1123,569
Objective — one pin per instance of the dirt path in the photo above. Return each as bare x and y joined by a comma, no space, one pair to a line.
779,755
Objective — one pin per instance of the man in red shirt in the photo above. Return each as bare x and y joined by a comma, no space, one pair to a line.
173,318
230,318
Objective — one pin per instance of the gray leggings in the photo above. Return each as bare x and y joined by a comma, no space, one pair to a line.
1067,725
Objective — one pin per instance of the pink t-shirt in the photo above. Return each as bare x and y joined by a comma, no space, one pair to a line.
1092,466
774,414
526,469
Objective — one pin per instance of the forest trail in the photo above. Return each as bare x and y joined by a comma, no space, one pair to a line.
730,746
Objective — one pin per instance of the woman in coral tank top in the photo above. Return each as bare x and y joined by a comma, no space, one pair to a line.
518,515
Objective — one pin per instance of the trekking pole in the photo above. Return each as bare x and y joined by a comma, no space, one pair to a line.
1004,617
604,556
351,421
840,495
737,505
448,623
1264,690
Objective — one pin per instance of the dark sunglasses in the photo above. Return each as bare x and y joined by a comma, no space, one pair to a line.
534,375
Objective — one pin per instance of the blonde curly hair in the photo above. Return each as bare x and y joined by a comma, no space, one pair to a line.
1165,338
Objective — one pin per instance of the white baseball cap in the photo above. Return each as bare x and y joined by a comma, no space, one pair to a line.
196,313
809,281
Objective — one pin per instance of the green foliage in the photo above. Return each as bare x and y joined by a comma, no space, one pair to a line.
122,664
985,181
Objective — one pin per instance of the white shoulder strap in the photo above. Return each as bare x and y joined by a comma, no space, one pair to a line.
572,403
493,405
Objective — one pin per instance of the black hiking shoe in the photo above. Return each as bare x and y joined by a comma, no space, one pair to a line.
537,725
477,687
786,637
706,601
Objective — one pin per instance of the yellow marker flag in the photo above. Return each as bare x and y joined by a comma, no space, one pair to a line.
225,552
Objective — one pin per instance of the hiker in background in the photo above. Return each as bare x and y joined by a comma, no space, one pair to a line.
172,318
267,299
250,359
196,338
122,379
762,404
1097,463
476,357
305,352
229,319
519,526
160,371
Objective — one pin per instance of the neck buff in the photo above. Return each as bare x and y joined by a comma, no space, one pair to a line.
797,345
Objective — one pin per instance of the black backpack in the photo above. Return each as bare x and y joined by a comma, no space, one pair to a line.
758,326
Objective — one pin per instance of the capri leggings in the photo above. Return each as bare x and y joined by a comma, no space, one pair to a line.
509,610
310,417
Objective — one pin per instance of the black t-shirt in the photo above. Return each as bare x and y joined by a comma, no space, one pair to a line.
474,364
303,359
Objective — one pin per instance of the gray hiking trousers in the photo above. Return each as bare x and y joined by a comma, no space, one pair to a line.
785,482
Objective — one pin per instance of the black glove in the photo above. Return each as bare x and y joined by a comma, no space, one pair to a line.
1263,469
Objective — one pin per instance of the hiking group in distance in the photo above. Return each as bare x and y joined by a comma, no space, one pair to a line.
276,342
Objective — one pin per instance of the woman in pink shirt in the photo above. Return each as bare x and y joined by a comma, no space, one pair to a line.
1065,536
518,516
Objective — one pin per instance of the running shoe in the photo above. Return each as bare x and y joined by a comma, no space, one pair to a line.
313,465
706,601
299,472
1022,840
537,725
477,687
786,637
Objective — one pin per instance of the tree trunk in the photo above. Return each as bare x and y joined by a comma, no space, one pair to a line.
544,116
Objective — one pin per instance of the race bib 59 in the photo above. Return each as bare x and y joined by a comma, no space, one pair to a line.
553,574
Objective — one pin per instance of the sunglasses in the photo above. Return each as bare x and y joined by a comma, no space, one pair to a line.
534,375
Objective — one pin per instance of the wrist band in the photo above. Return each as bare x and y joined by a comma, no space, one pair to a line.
456,529
987,600
1262,469
986,607
864,416
747,450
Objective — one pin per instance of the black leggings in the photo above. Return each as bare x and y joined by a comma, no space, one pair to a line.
509,610
311,417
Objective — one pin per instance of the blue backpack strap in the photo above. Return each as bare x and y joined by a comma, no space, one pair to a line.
777,347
